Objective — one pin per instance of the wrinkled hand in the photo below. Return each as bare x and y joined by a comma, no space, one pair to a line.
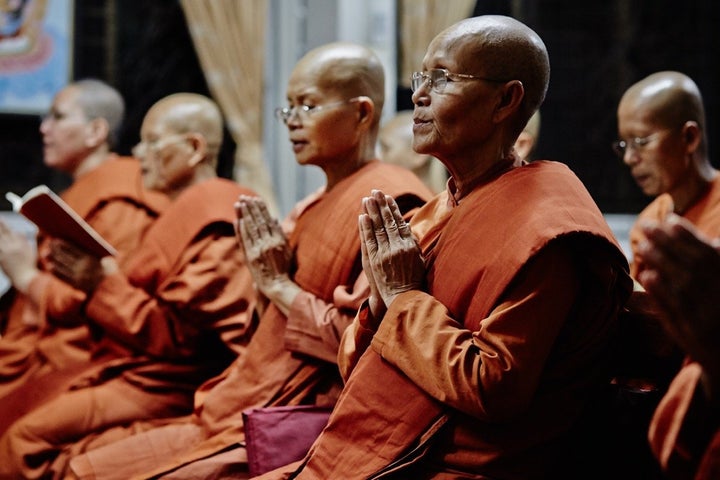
75,266
682,276
391,257
267,252
18,258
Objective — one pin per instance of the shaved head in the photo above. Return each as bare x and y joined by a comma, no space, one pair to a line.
671,98
99,100
191,113
347,69
503,48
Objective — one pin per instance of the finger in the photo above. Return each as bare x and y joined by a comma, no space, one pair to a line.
255,207
388,218
403,226
368,240
245,237
372,211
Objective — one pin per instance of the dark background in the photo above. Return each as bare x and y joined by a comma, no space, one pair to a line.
597,49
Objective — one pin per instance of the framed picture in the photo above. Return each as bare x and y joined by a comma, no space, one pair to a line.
35,53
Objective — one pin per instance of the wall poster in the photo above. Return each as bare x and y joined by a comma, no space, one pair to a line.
36,39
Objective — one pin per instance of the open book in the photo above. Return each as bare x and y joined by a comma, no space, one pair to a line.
54,217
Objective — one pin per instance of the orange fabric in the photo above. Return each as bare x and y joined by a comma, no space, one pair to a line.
327,256
525,280
176,316
684,434
112,200
704,214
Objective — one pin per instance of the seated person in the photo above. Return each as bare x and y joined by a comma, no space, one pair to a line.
487,331
176,312
79,134
681,266
309,277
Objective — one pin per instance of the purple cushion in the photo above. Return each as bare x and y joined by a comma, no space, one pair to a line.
277,436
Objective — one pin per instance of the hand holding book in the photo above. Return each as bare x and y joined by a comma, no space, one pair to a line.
54,217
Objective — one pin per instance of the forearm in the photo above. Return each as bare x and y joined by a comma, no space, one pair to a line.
315,327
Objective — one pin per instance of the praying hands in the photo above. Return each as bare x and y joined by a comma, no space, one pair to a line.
391,257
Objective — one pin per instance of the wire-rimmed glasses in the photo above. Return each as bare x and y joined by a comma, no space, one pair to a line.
284,114
635,143
438,79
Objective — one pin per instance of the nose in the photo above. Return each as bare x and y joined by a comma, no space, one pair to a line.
420,95
43,125
630,156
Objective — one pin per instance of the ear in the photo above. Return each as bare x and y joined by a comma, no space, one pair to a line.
199,147
692,136
511,96
366,110
524,145
98,130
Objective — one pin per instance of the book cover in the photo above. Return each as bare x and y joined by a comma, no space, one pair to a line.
54,217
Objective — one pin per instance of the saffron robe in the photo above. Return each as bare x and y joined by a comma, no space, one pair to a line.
289,361
651,356
44,336
704,214
684,433
177,316
487,373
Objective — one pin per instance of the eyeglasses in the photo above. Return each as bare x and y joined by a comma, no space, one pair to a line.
154,146
284,114
438,78
636,143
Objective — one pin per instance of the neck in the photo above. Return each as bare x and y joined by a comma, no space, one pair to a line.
202,173
92,161
693,189
480,172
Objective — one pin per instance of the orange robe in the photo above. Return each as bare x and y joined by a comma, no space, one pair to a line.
486,374
178,315
704,214
650,356
685,430
289,361
112,200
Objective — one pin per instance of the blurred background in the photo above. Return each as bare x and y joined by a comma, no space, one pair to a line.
152,48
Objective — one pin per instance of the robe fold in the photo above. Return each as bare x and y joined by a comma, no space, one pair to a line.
178,313
524,283
326,247
52,335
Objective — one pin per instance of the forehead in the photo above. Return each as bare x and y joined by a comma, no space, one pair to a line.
155,122
634,113
67,99
452,51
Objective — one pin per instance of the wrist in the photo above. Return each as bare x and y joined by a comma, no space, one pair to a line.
21,280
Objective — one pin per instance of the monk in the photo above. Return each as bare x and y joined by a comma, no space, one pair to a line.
175,314
680,273
661,126
661,123
487,329
79,134
310,276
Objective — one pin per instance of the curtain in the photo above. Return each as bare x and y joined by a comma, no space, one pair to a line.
229,38
420,21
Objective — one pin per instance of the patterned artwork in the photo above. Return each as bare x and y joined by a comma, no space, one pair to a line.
35,53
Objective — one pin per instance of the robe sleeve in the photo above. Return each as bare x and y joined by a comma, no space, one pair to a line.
122,224
684,431
315,327
58,302
356,340
491,373
209,286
